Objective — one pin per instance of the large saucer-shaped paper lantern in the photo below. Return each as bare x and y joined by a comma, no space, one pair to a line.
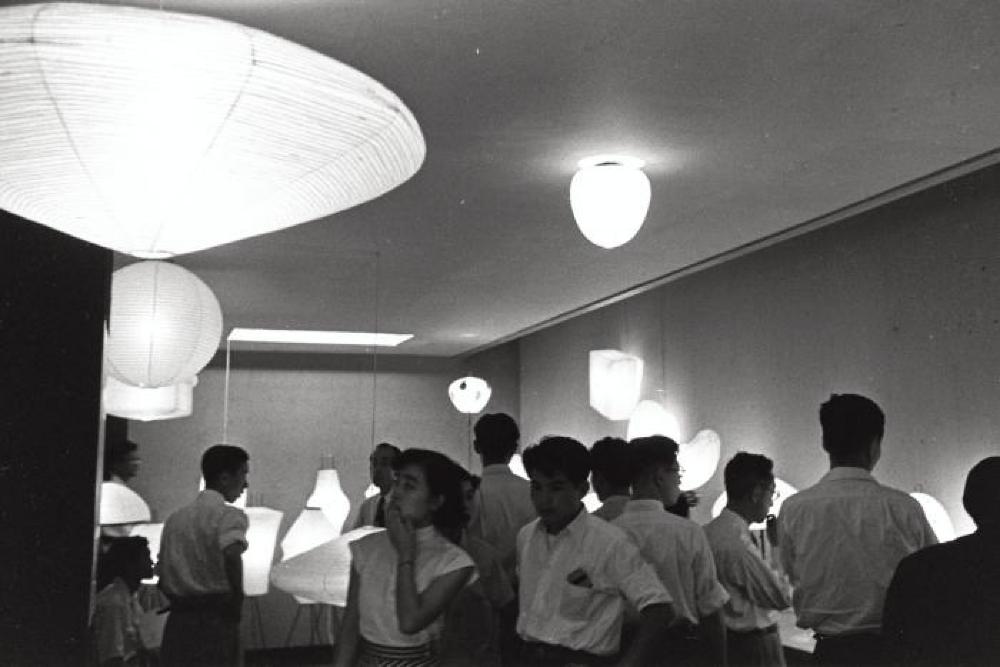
121,505
615,383
259,556
699,458
609,196
149,403
470,394
165,325
936,515
155,133
322,573
784,490
651,418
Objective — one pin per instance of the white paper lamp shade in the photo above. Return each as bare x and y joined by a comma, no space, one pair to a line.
784,489
615,383
165,325
259,556
310,529
121,505
936,515
155,133
651,418
329,497
699,459
516,466
469,395
591,502
321,574
372,491
152,532
149,403
609,197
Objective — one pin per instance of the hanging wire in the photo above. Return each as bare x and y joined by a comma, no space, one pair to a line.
375,350
225,398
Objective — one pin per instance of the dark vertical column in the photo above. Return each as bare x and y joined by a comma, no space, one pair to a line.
54,295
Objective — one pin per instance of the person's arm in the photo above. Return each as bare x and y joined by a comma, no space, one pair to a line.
713,631
653,620
232,558
415,611
345,652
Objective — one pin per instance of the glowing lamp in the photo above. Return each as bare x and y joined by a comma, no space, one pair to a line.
115,135
651,418
936,515
121,505
699,458
153,532
322,573
165,325
310,530
783,489
591,502
469,395
516,466
329,497
609,196
149,403
615,383
372,491
257,559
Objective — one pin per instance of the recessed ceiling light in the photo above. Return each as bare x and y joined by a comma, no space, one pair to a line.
293,336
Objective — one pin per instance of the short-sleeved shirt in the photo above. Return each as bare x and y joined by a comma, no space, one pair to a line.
116,622
611,508
375,560
587,615
756,592
841,541
679,553
191,561
501,507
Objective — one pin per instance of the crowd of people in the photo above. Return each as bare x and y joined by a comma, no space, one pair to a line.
498,570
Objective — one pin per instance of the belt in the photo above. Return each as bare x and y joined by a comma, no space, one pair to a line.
769,630
215,602
540,653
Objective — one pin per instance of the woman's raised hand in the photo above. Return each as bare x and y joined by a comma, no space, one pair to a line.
401,534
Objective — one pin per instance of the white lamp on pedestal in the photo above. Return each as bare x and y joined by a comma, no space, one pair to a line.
615,383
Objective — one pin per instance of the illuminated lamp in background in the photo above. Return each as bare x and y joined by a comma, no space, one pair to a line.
469,395
783,489
165,325
516,466
372,491
698,459
259,556
936,515
121,506
609,196
591,502
615,383
328,496
149,403
152,532
651,418
322,573
115,134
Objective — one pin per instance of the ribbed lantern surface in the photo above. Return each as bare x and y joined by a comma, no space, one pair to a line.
165,325
156,133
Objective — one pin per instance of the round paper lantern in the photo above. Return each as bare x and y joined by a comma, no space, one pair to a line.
784,489
699,458
470,394
609,196
651,418
149,403
165,325
936,515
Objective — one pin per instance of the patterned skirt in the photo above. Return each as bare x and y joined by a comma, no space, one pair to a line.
376,655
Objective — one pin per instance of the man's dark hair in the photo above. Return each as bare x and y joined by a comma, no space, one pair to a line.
116,452
218,459
744,472
496,436
444,478
850,422
388,445
609,457
120,557
556,454
649,453
981,497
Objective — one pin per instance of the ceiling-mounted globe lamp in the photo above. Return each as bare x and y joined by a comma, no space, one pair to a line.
469,394
609,196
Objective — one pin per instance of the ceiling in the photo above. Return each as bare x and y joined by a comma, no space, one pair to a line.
752,116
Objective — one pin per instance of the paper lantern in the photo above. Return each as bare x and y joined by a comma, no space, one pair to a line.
329,497
259,556
651,418
699,458
310,530
165,325
156,133
321,574
469,395
121,505
609,196
153,532
149,403
615,383
372,491
936,515
516,466
784,490
591,502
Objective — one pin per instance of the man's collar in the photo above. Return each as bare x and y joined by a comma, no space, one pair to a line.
644,505
734,518
847,472
497,469
575,525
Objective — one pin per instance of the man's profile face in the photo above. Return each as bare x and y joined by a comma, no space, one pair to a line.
380,467
557,500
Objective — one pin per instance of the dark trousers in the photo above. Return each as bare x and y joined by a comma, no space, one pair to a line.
758,648
860,650
201,632
535,654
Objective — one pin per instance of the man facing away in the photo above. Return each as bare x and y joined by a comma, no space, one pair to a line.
502,504
372,510
756,592
609,462
841,539
943,605
678,551
201,566
577,572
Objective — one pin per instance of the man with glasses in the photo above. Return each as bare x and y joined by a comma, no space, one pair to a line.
756,592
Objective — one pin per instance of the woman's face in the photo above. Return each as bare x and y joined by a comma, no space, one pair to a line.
412,496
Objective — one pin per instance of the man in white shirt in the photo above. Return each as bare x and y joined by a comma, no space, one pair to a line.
577,572
502,504
609,462
756,592
678,551
842,538
372,510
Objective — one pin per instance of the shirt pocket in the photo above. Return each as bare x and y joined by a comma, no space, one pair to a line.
579,603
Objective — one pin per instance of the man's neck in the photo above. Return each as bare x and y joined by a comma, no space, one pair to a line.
493,462
851,463
742,510
558,528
